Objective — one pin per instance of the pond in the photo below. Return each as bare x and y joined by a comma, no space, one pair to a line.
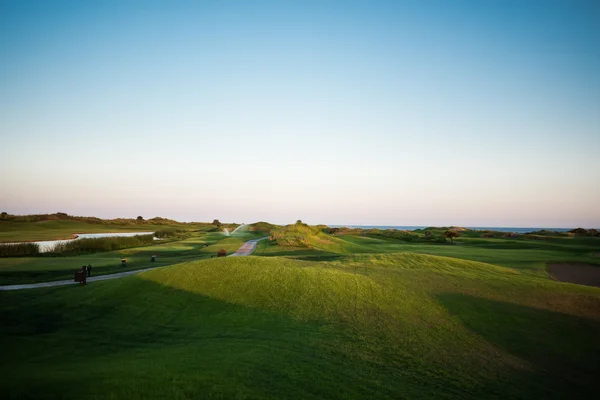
48,245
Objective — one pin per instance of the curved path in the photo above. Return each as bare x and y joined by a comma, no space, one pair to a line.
245,250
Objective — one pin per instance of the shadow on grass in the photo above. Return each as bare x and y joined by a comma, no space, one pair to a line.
563,350
135,261
37,276
332,257
139,339
300,254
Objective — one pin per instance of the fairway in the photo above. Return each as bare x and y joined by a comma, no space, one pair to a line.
313,313
198,244
371,326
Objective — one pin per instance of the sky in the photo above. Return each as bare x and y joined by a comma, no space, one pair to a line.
471,113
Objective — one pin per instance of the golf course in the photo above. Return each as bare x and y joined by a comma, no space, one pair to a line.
314,312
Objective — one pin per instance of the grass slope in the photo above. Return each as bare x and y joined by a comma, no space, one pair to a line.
367,326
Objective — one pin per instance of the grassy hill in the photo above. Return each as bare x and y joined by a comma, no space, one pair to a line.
15,228
365,326
522,253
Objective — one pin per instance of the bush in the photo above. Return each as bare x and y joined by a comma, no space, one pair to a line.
170,233
450,234
96,245
19,249
394,233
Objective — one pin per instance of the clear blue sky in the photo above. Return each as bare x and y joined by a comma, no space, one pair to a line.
474,113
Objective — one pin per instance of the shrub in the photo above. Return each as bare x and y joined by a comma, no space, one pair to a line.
170,233
451,234
19,249
394,233
96,245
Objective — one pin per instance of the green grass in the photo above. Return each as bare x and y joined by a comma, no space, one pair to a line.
520,253
312,315
18,270
11,231
385,326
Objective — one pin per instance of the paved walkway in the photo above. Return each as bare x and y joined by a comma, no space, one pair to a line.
246,249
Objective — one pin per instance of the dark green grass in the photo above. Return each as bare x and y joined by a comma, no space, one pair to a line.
522,254
267,248
384,326
18,270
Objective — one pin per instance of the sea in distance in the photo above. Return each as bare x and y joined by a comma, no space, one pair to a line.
479,228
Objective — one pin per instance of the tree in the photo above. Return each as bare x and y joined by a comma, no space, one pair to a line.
299,222
3,215
140,218
217,223
450,234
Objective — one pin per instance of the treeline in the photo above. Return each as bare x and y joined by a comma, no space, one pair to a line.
75,247
4,216
585,232
428,235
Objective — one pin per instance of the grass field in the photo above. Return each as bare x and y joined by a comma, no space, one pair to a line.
336,317
369,326
18,270
526,255
11,231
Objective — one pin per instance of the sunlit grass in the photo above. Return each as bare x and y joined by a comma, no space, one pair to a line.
366,326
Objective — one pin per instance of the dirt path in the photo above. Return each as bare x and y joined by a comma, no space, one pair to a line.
580,273
246,249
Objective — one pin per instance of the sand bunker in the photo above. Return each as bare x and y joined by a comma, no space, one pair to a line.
582,274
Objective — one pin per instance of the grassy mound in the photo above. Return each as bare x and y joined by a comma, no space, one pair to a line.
371,326
313,237
261,226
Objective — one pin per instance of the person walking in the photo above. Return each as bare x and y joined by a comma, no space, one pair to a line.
89,270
